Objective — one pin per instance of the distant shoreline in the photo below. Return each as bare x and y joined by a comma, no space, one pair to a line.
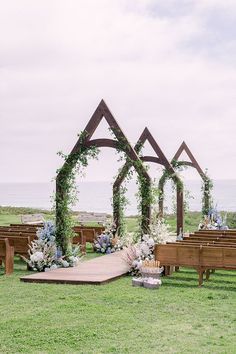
97,196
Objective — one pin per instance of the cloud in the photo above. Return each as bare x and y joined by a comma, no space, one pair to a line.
167,66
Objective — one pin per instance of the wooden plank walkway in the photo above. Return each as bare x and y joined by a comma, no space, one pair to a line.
96,271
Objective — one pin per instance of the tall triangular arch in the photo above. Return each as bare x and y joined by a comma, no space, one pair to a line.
85,141
192,163
184,148
161,159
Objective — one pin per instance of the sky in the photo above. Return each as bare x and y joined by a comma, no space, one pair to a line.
169,65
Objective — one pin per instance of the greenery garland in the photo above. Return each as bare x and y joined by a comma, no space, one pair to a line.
207,199
66,194
206,188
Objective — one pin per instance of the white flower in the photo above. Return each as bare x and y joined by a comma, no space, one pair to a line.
54,266
37,257
145,249
64,264
73,261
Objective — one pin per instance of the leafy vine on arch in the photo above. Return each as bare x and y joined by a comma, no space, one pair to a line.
159,159
207,184
84,149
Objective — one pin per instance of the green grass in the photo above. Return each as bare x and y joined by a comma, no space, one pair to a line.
117,318
12,215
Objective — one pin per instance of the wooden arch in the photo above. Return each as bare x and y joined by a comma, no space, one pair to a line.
192,163
159,159
121,142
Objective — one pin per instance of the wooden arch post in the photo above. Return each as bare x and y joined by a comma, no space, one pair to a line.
159,159
192,163
101,112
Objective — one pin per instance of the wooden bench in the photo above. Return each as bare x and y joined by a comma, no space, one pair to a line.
7,256
197,242
4,229
218,239
213,234
202,258
20,244
27,225
98,218
32,219
5,234
86,234
223,232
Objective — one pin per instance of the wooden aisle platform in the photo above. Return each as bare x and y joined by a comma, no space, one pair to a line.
96,271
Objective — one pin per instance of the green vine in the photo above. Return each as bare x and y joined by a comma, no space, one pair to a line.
120,201
144,194
66,193
207,199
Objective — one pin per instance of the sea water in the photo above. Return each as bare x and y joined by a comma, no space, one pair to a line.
96,196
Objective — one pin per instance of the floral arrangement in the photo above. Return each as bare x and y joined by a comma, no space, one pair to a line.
142,251
44,254
108,242
213,221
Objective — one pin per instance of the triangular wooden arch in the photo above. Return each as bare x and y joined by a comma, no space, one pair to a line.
193,163
122,143
161,159
183,147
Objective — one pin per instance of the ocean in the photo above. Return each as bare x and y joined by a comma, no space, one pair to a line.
96,196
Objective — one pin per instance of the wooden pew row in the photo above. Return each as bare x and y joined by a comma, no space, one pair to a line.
83,234
223,232
202,258
86,234
212,234
7,256
219,239
15,234
196,242
27,225
20,244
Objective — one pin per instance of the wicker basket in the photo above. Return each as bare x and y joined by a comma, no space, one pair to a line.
151,286
151,272
137,281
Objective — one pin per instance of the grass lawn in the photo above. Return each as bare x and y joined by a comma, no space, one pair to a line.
117,318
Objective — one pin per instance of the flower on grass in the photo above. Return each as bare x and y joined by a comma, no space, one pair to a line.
44,255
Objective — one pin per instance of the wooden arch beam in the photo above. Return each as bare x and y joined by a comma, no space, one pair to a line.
161,159
192,163
184,147
121,142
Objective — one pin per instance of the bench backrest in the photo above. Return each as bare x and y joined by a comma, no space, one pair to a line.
172,254
196,256
17,235
197,242
99,218
32,219
20,244
215,238
2,247
27,225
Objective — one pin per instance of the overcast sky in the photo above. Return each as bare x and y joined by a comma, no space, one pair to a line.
168,65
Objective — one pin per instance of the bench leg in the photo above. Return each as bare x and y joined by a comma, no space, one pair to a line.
0,261
167,270
9,262
83,244
200,277
177,269
207,274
